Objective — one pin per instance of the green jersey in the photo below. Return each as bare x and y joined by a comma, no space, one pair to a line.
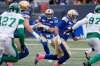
9,22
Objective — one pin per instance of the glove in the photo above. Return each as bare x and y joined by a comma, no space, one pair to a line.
68,31
41,26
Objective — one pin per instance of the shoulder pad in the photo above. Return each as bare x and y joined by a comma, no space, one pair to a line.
3,13
65,19
20,16
89,14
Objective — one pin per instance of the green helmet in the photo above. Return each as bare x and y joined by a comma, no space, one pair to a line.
97,9
14,7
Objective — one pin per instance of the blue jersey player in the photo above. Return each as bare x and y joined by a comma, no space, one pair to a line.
49,20
61,48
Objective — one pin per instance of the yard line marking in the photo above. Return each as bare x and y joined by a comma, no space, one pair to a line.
33,39
69,48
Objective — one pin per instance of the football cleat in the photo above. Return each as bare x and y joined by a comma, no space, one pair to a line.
36,59
86,64
87,57
9,64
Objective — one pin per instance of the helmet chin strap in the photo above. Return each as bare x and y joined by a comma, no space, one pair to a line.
49,18
73,19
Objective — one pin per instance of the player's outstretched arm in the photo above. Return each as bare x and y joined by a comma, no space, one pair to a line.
79,23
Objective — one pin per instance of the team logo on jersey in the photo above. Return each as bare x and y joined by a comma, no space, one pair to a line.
51,21
43,20
70,23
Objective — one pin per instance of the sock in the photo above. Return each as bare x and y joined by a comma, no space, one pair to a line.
93,49
21,36
24,53
94,59
9,58
65,57
46,48
51,57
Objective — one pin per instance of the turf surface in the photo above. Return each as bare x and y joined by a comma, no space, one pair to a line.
77,48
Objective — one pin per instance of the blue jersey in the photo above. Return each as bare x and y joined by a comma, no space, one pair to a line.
49,22
26,14
64,25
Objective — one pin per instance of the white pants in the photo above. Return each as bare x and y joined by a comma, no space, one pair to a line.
94,43
6,46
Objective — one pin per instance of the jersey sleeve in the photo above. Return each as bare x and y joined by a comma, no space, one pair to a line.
88,15
21,21
61,24
65,19
80,22
3,13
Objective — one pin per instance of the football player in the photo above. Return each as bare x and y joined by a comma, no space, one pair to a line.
92,20
47,19
20,31
60,45
9,21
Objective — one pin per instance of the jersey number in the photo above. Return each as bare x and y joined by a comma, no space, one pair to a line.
4,21
91,20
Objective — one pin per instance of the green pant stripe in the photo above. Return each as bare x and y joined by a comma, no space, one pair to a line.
93,34
14,47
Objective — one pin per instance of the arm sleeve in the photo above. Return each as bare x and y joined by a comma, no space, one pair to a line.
79,23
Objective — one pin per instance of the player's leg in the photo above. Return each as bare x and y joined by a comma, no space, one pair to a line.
88,53
95,42
1,49
44,43
24,50
10,48
66,54
10,54
60,59
45,47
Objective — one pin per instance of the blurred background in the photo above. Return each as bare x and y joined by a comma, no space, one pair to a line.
60,7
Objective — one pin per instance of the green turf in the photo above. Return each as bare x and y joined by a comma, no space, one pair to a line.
76,59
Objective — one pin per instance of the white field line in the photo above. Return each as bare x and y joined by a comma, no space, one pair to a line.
69,48
33,39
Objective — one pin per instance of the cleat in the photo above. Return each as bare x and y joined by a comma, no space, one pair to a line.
36,59
50,61
9,64
87,56
56,64
86,64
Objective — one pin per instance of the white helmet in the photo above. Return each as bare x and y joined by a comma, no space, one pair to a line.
72,14
24,5
49,13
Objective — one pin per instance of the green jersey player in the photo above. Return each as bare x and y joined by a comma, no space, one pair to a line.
9,21
92,20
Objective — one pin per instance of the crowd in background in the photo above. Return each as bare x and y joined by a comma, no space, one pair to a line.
38,6
73,2
61,2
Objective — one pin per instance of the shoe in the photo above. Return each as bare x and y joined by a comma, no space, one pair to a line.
87,57
56,64
50,61
86,64
36,59
9,64
39,57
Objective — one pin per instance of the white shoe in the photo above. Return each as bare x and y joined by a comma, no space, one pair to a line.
64,63
50,61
